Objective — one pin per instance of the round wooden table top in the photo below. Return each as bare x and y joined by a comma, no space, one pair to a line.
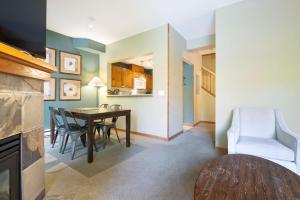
242,177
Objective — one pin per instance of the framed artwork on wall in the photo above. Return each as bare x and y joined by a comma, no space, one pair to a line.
70,89
50,56
50,90
70,63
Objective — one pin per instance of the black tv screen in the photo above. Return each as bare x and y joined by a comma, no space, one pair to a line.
23,25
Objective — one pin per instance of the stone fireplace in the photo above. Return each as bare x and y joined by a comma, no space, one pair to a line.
21,121
21,111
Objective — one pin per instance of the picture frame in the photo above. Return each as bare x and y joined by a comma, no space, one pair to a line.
50,90
70,63
70,89
50,56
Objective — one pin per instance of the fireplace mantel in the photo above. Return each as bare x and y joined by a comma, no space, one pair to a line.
13,61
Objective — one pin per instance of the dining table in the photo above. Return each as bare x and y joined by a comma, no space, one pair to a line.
89,115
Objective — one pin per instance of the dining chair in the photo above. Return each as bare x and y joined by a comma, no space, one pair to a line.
106,106
60,128
107,126
73,130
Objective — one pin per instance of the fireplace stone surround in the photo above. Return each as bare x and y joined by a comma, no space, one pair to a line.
21,111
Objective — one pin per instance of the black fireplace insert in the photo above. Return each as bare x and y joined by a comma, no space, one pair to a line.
10,168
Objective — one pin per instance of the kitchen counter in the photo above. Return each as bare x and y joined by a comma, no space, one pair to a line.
130,95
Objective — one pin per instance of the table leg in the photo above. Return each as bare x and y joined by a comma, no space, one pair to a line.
90,140
128,130
52,130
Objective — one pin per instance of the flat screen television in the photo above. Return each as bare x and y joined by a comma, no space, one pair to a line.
23,25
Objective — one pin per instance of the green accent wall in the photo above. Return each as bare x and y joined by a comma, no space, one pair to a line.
89,69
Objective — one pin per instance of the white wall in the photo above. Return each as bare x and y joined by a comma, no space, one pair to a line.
177,47
149,114
258,60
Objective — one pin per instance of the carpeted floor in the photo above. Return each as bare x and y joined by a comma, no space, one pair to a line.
149,169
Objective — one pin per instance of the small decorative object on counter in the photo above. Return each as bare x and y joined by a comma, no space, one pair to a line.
113,92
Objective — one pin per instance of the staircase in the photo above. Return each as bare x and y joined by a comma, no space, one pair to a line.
208,81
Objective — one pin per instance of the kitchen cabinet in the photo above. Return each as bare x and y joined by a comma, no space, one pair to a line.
149,81
137,71
121,77
116,76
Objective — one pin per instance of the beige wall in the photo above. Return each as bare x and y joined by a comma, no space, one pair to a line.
176,49
258,60
149,114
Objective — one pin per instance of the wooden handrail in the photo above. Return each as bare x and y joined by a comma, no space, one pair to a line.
208,81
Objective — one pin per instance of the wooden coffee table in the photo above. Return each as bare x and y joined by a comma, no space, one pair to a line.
243,177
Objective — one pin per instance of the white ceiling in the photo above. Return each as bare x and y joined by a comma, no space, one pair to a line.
144,61
107,21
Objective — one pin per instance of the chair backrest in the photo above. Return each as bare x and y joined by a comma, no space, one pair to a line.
257,122
55,115
62,112
115,107
104,105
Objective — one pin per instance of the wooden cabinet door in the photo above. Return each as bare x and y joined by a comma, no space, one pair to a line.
138,69
116,76
127,78
149,82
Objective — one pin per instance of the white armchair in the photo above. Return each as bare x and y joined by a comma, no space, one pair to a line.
264,133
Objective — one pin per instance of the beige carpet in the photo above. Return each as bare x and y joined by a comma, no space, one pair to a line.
149,169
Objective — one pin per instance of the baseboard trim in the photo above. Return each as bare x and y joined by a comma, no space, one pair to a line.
204,122
146,135
222,150
176,135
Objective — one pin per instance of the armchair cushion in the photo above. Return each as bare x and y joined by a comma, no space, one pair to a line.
266,148
256,122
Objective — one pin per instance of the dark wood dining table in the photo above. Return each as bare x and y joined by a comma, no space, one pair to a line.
245,177
90,115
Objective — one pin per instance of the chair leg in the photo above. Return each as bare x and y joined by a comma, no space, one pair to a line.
83,140
54,139
98,129
95,146
74,142
61,142
65,144
104,131
117,135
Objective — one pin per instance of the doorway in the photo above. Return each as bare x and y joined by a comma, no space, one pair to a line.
188,95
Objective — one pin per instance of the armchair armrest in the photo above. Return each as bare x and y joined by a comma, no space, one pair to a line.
288,138
233,133
231,140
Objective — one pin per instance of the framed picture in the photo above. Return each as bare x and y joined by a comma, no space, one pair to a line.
50,90
50,56
70,63
70,89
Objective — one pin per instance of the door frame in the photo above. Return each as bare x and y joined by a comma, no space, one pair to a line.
193,91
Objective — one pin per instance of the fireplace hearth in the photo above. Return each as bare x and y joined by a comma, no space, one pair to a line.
10,168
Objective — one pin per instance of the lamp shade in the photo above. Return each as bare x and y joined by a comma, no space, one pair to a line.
96,82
